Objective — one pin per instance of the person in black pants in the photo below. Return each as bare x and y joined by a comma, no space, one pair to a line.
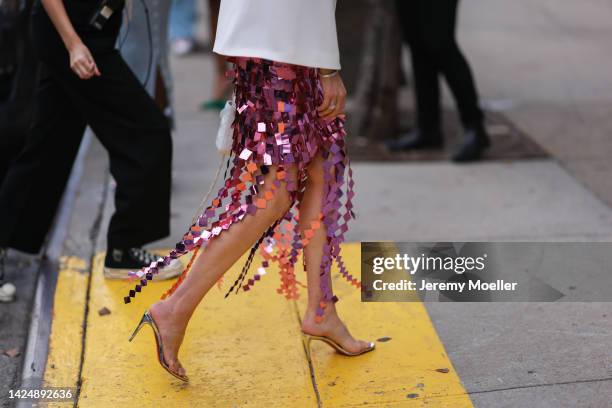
84,81
428,26
17,68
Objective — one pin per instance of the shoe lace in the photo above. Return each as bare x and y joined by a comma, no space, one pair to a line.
143,255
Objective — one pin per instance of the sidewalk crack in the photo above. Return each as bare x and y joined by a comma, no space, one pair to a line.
519,387
93,236
311,368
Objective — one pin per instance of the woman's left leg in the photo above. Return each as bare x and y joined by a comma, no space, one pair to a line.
310,210
172,314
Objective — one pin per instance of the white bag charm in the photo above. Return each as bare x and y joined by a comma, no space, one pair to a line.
224,145
225,133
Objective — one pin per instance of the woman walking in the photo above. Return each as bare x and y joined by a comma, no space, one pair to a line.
289,189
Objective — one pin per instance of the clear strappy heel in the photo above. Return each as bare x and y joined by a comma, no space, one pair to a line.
148,319
309,337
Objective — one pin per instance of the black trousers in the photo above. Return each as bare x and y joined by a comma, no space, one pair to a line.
17,71
428,26
124,118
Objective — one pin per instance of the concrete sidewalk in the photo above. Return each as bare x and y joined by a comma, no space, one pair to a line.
547,65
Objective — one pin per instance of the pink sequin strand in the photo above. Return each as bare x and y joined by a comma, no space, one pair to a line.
276,124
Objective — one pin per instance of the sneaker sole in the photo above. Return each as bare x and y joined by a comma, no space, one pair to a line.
171,271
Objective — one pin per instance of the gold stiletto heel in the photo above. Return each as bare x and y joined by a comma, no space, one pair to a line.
309,337
143,321
306,341
148,319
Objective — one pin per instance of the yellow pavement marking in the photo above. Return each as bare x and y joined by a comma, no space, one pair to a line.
243,351
405,365
64,358
246,351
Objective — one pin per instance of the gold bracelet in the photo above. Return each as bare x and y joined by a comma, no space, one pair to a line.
331,74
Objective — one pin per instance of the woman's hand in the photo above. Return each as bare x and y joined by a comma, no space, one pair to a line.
334,96
81,61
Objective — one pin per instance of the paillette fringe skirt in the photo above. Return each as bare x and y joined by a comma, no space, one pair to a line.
276,123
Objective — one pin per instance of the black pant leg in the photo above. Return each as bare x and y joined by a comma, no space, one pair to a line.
35,182
11,143
137,136
438,23
425,70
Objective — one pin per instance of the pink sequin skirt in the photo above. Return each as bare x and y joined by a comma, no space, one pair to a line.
276,124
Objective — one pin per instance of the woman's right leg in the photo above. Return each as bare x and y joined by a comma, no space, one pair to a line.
172,314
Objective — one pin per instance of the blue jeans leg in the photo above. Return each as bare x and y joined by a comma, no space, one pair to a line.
182,19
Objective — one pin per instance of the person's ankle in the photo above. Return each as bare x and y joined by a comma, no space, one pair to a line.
167,309
310,316
161,309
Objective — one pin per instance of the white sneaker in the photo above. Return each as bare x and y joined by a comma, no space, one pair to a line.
7,292
182,46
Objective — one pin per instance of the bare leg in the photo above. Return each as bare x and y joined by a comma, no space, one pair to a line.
172,314
310,207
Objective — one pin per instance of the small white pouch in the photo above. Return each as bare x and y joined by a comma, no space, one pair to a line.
225,136
225,133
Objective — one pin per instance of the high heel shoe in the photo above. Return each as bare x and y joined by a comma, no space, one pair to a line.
148,319
309,337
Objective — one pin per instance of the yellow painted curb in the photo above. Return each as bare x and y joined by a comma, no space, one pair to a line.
64,358
246,351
